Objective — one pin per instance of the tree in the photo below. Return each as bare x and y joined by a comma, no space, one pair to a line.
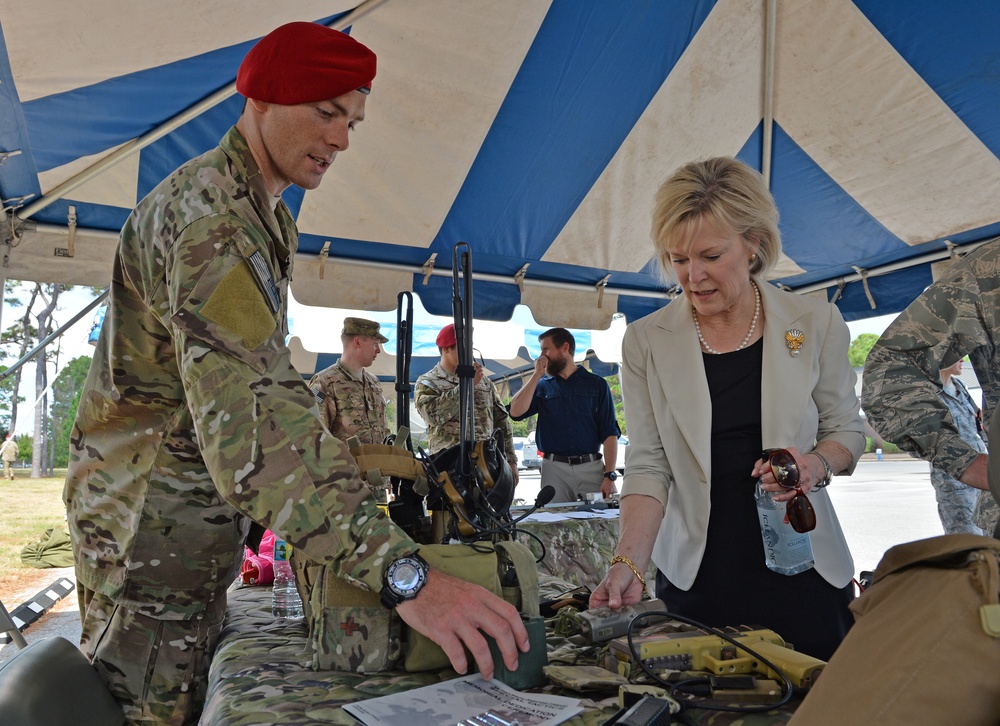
40,464
25,447
616,395
857,353
22,337
65,400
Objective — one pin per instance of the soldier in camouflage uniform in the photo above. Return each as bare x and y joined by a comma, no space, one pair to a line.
957,501
956,316
193,421
437,400
350,398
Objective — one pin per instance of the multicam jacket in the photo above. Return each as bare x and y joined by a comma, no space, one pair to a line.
436,397
351,405
957,315
193,418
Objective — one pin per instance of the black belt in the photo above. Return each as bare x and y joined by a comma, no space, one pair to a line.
582,459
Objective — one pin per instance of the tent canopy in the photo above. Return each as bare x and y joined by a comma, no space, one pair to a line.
534,130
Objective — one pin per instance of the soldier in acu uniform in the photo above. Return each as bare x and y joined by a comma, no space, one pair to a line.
437,400
957,501
193,421
350,397
956,316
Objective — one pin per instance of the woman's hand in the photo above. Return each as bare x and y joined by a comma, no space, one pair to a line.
639,521
811,471
619,587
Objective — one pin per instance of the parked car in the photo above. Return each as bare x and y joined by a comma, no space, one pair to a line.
622,450
531,456
519,442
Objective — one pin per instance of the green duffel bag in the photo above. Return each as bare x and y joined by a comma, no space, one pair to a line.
53,549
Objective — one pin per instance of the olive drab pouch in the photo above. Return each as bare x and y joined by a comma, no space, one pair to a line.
925,645
350,630
506,569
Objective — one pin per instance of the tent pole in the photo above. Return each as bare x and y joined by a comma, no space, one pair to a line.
770,23
131,147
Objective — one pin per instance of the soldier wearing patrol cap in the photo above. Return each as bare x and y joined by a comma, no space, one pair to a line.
349,397
193,420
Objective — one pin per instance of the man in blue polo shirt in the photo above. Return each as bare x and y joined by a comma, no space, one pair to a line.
576,417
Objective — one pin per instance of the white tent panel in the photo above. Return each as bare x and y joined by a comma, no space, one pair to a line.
98,41
116,187
708,105
858,109
431,80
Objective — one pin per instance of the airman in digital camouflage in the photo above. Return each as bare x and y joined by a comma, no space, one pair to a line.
193,421
956,502
349,397
958,315
436,397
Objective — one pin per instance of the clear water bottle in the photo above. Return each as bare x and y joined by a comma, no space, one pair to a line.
786,551
285,600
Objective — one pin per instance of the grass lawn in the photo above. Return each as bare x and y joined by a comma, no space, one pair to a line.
27,508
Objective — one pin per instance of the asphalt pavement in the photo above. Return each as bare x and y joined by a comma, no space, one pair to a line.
883,504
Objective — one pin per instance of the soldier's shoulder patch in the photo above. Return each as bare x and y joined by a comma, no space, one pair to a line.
236,304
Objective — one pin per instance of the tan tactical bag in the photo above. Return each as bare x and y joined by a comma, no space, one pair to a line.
925,647
349,630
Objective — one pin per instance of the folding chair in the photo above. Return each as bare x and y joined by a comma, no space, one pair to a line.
51,683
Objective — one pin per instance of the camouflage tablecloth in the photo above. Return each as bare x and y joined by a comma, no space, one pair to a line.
576,550
260,675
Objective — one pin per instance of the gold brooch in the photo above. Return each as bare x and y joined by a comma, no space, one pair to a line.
793,340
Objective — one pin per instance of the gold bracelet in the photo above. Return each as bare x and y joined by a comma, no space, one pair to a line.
631,565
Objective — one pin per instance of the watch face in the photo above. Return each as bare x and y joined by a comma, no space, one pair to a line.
407,575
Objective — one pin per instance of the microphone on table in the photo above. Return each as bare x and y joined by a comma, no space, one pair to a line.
544,497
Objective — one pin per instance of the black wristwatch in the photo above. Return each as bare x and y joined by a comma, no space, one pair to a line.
403,579
612,475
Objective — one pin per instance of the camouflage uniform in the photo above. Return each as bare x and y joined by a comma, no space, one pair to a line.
957,501
957,315
8,453
351,405
436,397
192,420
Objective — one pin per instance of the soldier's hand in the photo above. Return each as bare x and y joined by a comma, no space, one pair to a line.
455,613
541,365
479,374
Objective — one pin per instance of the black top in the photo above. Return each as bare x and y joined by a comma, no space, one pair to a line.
734,587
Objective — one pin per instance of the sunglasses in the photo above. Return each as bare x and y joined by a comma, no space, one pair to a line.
799,510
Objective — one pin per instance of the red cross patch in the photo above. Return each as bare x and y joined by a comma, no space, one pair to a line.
350,627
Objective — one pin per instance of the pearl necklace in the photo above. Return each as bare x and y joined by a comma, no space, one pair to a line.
753,325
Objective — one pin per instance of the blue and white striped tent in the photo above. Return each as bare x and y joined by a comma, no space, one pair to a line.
534,130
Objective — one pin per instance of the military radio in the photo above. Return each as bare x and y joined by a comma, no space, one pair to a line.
681,648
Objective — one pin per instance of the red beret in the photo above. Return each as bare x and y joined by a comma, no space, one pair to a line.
446,338
303,63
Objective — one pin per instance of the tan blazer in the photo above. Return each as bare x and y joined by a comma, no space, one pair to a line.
668,409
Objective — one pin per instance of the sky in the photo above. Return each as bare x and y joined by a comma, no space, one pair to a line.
314,325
